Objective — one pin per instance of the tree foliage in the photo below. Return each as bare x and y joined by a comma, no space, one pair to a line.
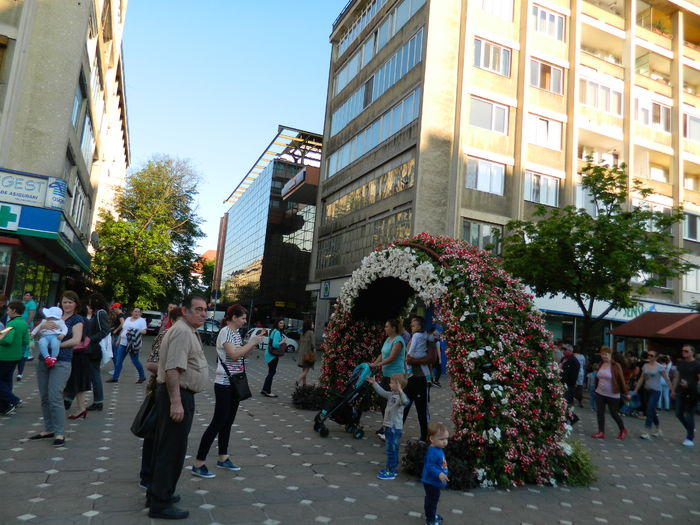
594,257
147,252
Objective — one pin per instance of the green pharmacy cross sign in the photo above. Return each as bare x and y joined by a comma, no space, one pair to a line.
8,217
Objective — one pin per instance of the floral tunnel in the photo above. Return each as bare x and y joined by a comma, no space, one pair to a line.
508,410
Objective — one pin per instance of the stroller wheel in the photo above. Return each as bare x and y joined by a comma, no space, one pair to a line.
323,431
359,434
317,426
349,429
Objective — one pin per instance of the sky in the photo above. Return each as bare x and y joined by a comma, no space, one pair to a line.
209,81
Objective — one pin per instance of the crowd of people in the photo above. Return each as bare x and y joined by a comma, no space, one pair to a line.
636,386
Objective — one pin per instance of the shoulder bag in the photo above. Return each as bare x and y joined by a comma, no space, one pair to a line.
238,382
281,349
144,424
105,343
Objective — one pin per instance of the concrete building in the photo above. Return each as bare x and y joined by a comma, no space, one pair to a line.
453,117
64,141
267,233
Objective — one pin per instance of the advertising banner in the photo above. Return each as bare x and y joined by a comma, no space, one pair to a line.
42,192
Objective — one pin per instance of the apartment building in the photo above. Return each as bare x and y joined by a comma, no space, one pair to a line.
265,238
453,117
64,142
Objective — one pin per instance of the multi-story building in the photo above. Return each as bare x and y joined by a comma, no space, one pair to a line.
268,230
63,135
453,117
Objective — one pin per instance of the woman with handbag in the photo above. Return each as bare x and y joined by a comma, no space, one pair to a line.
307,351
230,388
98,328
52,381
130,343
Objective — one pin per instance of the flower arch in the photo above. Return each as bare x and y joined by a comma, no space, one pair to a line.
508,408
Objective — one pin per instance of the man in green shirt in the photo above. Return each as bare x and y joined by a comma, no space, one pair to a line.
28,316
11,343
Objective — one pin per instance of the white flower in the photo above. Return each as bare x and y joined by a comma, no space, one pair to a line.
566,448
473,355
480,473
480,351
488,348
487,387
486,377
504,401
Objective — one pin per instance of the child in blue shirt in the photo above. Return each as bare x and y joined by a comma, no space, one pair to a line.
434,475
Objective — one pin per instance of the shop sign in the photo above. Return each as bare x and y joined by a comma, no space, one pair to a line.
326,289
42,192
9,217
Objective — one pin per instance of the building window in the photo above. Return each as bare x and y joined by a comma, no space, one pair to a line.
491,57
500,8
585,201
78,103
653,114
691,281
611,158
87,142
486,176
600,97
481,234
544,132
548,22
690,227
691,128
658,173
541,189
546,76
487,115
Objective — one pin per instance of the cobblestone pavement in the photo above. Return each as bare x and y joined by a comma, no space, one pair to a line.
292,475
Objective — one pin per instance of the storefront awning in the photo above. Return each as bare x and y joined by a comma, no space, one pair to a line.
656,325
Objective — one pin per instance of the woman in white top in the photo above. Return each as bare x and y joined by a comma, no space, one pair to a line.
137,324
231,350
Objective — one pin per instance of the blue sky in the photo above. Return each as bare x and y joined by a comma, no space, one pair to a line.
209,81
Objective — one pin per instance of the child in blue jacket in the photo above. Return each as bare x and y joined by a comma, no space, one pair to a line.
434,475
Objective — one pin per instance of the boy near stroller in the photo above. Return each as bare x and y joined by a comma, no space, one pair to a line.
50,338
393,421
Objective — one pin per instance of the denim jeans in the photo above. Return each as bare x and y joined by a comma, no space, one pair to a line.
52,382
96,380
7,398
652,400
120,355
49,341
685,412
664,399
393,437
591,397
271,371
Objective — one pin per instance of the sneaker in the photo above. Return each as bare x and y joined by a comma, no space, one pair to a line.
598,435
439,518
19,377
202,472
8,411
380,434
386,474
623,434
657,434
437,384
228,464
688,443
144,485
645,435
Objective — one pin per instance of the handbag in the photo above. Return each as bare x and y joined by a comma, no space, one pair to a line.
239,383
105,343
144,424
309,358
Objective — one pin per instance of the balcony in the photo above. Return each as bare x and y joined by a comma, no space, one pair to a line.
692,147
653,137
657,37
691,51
602,63
599,122
692,197
654,82
613,19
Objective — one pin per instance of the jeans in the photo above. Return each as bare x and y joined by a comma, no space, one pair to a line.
432,497
613,404
224,415
652,401
591,397
271,371
49,341
7,398
685,412
417,391
664,400
119,357
52,382
393,437
170,447
96,380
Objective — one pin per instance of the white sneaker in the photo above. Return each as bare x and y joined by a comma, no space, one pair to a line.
645,436
688,443
658,433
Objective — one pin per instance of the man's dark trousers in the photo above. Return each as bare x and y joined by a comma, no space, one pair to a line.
170,447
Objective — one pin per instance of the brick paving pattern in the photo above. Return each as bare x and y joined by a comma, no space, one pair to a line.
291,475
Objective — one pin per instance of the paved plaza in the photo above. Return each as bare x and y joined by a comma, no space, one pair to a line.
292,475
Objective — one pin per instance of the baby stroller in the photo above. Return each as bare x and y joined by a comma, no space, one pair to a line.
631,405
346,408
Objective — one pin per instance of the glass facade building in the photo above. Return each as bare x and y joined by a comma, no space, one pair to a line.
268,247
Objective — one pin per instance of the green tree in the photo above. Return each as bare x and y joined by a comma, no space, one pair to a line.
147,252
207,275
594,257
